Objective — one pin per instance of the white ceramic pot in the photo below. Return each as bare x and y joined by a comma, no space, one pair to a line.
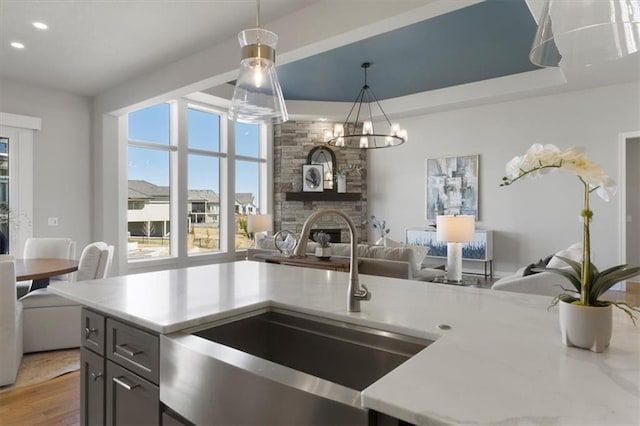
342,183
587,327
323,252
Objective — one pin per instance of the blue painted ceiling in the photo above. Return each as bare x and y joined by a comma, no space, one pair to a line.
487,40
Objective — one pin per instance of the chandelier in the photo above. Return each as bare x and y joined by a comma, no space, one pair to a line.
349,134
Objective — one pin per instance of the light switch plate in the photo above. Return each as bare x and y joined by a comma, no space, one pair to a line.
53,221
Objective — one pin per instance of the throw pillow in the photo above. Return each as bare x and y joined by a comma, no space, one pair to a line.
574,252
419,252
388,242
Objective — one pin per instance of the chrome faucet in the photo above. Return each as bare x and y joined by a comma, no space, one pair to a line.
356,291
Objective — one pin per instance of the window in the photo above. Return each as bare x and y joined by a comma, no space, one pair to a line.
149,183
203,136
250,167
188,182
4,196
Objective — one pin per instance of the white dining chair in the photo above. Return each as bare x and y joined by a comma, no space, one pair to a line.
10,323
53,322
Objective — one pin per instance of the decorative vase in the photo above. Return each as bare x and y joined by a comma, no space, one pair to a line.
323,252
587,327
342,183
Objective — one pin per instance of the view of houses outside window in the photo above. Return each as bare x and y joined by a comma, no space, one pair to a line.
249,161
150,176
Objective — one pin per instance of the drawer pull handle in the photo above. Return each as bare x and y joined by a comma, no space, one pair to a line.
127,351
95,376
89,331
120,381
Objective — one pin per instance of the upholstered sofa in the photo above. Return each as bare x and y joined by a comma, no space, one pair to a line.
396,262
527,280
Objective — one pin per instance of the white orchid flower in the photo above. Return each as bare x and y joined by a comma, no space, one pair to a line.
514,167
607,188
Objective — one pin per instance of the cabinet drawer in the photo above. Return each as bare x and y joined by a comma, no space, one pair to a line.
133,349
93,331
131,400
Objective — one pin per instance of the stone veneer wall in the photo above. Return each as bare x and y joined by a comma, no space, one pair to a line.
292,142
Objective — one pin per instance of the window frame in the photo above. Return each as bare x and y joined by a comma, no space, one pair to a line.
179,156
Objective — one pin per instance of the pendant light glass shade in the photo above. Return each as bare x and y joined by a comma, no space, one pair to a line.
580,33
257,97
366,136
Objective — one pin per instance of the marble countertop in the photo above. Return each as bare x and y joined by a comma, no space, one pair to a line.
502,360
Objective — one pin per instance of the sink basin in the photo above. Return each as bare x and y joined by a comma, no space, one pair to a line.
282,367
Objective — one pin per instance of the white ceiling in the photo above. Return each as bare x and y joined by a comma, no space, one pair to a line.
92,45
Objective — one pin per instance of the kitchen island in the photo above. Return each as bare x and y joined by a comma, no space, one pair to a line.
497,356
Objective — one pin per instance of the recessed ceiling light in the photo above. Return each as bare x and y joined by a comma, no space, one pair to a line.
40,25
17,45
322,119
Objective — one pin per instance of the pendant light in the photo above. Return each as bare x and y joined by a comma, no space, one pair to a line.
574,34
368,137
257,97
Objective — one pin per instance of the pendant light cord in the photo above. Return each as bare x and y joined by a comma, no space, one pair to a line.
258,14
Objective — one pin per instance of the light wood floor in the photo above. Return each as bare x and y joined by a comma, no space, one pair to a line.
55,402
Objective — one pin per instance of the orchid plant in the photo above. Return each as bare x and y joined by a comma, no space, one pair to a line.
588,281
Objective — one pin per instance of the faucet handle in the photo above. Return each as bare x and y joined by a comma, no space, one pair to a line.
362,294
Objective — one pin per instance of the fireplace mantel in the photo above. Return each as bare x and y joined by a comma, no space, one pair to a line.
323,196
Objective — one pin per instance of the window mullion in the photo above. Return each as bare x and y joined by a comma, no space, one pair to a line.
180,206
228,182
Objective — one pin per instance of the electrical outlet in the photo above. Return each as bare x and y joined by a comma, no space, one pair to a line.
53,221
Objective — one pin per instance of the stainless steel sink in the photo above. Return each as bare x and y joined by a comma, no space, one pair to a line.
277,367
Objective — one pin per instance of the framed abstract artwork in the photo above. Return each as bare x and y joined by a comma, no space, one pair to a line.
312,178
452,186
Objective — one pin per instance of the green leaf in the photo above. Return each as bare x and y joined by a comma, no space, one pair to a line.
603,282
572,276
576,266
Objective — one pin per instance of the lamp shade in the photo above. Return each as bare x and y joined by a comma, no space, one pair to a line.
455,228
259,223
573,34
257,97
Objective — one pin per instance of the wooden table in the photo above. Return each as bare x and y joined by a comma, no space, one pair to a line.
40,270
334,263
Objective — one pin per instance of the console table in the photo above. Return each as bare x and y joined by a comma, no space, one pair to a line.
478,250
334,263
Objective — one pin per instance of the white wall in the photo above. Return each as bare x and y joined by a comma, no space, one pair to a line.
531,219
62,158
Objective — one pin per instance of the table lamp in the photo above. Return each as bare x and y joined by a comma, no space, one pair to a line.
259,225
455,230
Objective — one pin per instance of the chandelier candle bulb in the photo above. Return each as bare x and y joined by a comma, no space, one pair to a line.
340,142
367,128
338,130
364,142
395,129
388,141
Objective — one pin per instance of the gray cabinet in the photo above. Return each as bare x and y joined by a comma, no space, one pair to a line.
131,400
119,369
91,388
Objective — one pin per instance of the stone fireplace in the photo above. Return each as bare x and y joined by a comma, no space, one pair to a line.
291,144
